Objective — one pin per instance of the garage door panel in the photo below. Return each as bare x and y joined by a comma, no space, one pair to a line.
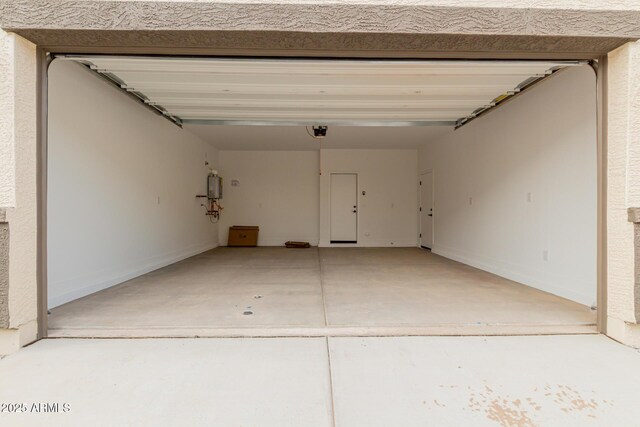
312,90
138,77
315,67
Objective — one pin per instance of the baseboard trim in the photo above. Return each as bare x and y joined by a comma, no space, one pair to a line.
372,244
148,266
275,242
515,276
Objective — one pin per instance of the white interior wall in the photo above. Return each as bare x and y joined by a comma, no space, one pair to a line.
121,187
296,138
387,213
515,191
282,193
277,191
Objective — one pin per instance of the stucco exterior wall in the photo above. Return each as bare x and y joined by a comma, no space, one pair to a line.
365,16
19,200
388,27
623,191
633,112
7,103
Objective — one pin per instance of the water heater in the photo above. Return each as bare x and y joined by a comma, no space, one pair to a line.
214,187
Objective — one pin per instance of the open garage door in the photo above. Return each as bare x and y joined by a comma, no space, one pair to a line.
138,218
277,92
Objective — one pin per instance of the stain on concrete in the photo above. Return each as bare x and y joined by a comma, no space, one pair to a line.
504,410
509,411
441,405
571,400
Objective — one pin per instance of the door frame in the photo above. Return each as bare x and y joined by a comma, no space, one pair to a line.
43,58
343,244
433,203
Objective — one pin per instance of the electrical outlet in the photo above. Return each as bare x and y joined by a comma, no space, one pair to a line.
545,255
529,198
470,201
158,200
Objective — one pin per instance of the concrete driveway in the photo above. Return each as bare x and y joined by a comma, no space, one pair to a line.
580,380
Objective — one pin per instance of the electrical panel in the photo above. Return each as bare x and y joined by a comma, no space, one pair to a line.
214,187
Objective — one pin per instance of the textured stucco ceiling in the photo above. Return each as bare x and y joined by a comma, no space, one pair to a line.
319,28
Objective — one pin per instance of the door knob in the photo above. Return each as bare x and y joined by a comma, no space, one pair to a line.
430,214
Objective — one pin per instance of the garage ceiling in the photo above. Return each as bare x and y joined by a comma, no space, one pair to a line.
307,92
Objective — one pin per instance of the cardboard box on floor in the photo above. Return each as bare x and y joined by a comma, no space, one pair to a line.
243,235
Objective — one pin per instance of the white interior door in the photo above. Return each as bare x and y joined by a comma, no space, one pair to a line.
344,208
426,210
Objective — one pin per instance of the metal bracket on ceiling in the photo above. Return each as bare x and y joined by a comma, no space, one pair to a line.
131,92
526,84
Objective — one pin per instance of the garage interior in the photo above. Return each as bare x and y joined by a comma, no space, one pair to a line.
448,197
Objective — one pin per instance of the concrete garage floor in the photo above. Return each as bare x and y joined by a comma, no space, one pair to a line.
318,292
579,380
